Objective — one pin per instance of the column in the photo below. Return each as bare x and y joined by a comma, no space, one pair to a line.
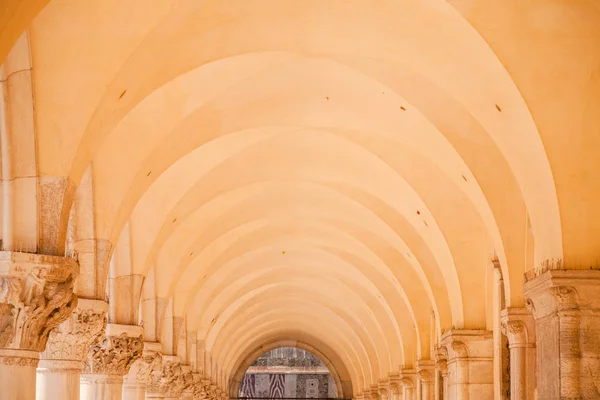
134,383
425,375
395,387
60,364
566,308
109,360
441,366
501,379
36,295
470,363
168,382
408,377
519,326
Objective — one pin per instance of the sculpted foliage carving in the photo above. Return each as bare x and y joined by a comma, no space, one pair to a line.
71,339
113,355
169,380
34,298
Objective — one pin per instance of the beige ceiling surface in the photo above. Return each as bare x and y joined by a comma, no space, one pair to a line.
336,172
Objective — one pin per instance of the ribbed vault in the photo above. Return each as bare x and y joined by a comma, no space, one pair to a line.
336,173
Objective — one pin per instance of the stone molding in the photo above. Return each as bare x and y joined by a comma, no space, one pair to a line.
36,295
22,358
114,354
72,339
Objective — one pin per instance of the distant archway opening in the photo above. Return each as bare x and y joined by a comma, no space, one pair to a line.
288,373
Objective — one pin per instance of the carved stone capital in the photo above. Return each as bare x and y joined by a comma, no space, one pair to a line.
563,290
151,360
384,390
518,325
72,339
408,378
169,379
425,370
36,295
115,352
394,384
465,344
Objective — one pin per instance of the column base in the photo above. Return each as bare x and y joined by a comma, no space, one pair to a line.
17,374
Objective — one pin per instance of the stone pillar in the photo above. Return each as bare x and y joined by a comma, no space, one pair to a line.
518,324
408,377
470,364
425,375
441,366
501,357
134,383
60,364
168,381
36,295
109,360
396,390
566,309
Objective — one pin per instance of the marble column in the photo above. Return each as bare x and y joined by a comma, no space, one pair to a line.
408,377
109,360
396,390
566,308
425,375
36,295
168,381
519,326
138,377
61,363
470,364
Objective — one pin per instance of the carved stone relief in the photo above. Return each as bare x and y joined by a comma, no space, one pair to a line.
169,380
36,295
113,355
72,339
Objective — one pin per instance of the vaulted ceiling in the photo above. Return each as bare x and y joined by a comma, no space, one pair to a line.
334,172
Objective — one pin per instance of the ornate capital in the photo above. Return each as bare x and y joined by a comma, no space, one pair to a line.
394,383
113,355
425,370
168,380
383,389
36,295
71,339
518,325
